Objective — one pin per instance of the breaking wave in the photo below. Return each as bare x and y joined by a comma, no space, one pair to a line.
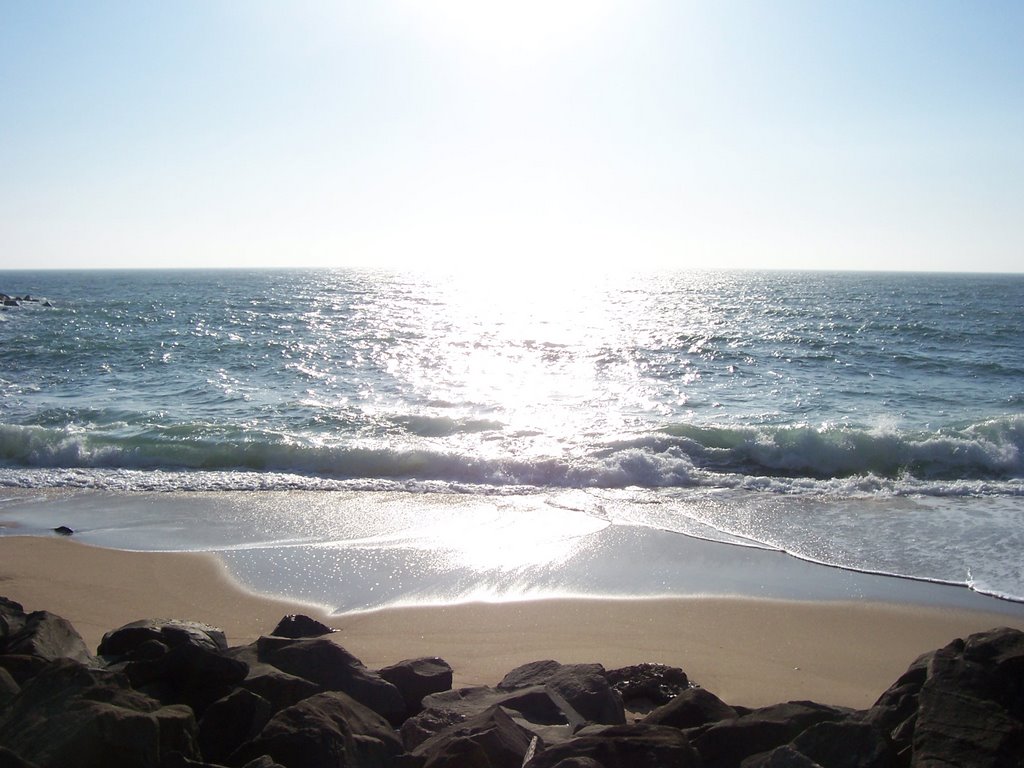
974,459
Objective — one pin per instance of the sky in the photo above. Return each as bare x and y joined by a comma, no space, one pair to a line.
564,134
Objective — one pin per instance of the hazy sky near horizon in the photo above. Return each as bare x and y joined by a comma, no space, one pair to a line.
563,134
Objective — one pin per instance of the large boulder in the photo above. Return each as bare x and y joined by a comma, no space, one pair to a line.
296,625
188,674
9,687
492,739
169,632
727,743
692,708
621,746
585,688
230,722
582,691
330,666
416,678
846,744
646,686
533,707
71,715
324,731
961,705
41,634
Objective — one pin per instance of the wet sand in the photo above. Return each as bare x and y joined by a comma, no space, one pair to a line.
747,650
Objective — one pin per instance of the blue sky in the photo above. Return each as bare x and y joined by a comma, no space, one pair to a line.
574,134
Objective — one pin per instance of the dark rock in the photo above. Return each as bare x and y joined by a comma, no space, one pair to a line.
63,530
427,723
846,744
532,707
491,738
416,678
959,705
279,688
42,634
780,757
147,651
263,761
9,688
623,746
727,743
71,715
230,722
297,625
324,731
533,673
188,674
21,667
9,759
585,689
12,620
330,666
692,708
578,762
170,632
646,686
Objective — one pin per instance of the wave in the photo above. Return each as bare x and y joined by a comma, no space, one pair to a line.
976,459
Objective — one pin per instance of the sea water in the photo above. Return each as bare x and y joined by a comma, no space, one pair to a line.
481,424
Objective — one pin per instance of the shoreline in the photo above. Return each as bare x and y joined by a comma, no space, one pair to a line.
748,650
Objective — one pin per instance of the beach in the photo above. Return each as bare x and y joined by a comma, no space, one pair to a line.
748,651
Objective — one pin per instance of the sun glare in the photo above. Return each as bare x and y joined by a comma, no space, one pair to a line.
528,29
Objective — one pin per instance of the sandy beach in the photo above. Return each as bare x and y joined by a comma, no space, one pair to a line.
749,651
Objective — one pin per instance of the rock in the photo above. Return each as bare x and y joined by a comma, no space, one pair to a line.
727,743
188,674
230,722
692,708
71,715
40,633
263,761
330,666
12,620
646,686
585,689
780,757
845,744
532,707
297,625
170,632
416,678
491,738
428,723
622,746
533,673
147,651
279,688
9,688
959,705
324,731
21,667
9,759
63,530
578,689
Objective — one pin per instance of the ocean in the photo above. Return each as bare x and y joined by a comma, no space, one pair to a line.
361,438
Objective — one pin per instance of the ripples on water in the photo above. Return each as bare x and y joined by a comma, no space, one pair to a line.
838,392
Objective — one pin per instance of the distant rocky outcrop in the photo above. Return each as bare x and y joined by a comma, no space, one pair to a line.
17,301
172,694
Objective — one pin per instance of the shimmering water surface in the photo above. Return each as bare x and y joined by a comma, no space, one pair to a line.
870,421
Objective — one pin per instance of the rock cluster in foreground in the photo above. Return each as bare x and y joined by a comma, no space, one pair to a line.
173,694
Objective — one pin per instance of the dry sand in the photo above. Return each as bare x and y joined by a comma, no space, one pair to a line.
747,651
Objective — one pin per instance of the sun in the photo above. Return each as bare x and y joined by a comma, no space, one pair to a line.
527,30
